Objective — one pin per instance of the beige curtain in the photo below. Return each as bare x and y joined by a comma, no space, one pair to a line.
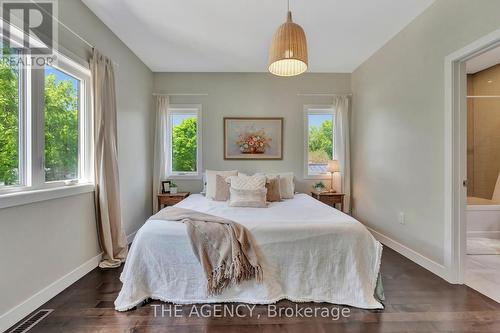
342,147
107,188
160,147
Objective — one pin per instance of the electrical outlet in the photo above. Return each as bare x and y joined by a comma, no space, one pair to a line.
402,218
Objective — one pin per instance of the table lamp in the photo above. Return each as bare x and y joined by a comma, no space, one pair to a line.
333,166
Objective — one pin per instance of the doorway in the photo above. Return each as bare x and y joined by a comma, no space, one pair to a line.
482,212
456,156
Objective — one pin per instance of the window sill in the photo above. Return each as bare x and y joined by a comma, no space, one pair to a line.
318,177
27,197
185,177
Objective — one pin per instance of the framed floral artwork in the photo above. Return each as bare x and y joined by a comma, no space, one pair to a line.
253,138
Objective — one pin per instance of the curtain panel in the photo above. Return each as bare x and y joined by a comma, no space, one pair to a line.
160,147
107,186
342,147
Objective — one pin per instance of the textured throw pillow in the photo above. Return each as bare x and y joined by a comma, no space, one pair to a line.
212,179
221,188
287,186
273,189
247,198
254,182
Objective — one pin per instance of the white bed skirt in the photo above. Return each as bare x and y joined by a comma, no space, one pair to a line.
313,253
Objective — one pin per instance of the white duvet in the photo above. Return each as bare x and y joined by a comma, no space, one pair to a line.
312,252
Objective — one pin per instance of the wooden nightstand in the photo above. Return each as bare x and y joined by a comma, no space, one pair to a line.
330,198
168,199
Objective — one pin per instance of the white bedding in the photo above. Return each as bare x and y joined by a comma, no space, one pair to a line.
312,253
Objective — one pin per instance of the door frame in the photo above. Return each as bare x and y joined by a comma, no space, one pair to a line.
455,195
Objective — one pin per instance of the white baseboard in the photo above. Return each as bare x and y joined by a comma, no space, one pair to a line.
429,264
22,310
130,237
486,234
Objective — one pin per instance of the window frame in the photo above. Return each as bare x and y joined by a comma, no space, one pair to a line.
32,131
187,109
317,110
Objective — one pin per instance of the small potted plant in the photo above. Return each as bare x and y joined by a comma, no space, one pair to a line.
319,187
173,188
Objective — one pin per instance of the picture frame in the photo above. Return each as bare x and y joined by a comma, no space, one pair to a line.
253,138
165,186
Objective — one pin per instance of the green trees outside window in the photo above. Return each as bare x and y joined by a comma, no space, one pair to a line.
321,142
60,120
184,143
61,126
9,124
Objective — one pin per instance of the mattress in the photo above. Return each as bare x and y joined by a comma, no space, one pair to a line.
311,253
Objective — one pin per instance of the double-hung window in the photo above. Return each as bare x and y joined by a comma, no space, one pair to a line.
184,141
319,147
45,125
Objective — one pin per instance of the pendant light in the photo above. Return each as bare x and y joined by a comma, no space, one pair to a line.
288,53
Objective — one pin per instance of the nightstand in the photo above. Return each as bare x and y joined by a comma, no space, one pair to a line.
330,198
168,199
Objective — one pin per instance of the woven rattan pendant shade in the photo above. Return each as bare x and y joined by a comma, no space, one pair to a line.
288,54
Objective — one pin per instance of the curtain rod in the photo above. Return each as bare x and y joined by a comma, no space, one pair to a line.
68,28
323,94
181,94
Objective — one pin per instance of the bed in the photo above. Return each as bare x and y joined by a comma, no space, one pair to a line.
312,253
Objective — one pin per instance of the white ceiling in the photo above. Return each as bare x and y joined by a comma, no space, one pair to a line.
235,35
483,61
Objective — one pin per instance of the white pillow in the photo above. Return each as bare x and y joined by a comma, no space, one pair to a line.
212,180
254,182
248,198
287,186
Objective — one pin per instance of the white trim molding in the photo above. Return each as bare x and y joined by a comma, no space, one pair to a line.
25,308
413,255
130,238
26,197
14,315
455,162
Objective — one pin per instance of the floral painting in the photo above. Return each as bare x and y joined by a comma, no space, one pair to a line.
253,138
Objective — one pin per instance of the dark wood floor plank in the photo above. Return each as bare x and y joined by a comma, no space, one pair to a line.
416,301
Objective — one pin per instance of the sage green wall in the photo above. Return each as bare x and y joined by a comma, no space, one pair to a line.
398,123
251,95
43,241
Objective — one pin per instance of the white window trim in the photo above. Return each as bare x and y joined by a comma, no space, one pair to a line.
33,187
316,109
185,109
26,197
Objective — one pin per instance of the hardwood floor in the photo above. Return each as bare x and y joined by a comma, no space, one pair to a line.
416,301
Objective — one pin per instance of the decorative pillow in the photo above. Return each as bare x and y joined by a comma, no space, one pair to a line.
248,198
287,186
221,189
212,180
273,189
254,182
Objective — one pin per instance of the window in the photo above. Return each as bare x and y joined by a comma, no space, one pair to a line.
45,126
319,124
184,141
61,132
10,116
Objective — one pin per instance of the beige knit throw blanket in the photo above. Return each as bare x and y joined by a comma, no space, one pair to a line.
225,249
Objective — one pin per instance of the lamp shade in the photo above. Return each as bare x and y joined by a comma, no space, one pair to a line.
288,53
333,166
